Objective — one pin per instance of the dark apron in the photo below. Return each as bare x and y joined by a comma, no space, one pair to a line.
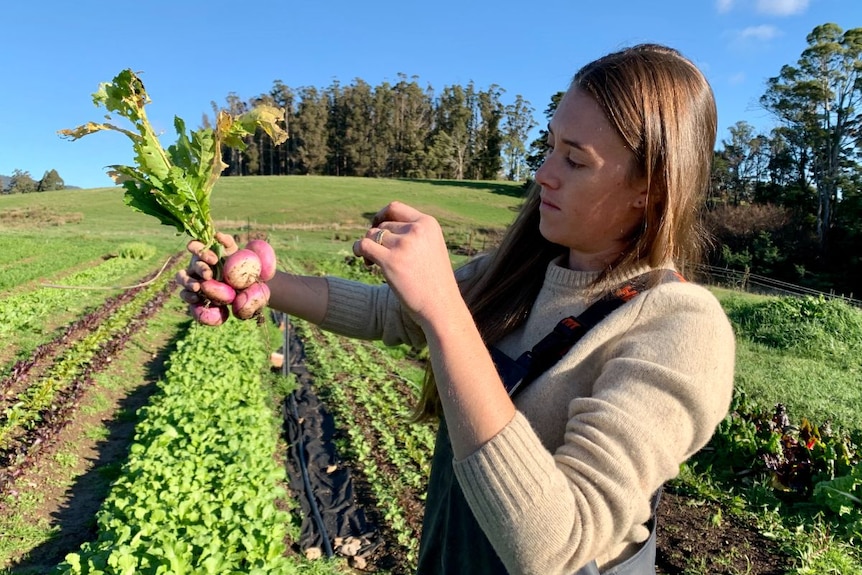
453,543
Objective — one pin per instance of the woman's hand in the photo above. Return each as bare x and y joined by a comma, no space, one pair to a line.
200,267
410,250
409,247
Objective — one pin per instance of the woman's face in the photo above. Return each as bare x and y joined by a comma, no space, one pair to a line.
589,201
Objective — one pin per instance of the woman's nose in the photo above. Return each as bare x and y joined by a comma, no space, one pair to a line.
545,176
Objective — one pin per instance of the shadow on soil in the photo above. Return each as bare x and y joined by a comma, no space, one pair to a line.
75,520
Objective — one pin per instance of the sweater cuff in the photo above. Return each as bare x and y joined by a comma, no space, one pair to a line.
500,479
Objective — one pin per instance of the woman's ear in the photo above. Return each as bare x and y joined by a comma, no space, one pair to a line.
640,201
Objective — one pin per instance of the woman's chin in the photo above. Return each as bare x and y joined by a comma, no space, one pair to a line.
547,232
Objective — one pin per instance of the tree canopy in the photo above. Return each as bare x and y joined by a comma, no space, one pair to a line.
391,130
790,200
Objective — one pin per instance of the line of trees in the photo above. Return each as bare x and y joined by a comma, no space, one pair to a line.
396,130
21,182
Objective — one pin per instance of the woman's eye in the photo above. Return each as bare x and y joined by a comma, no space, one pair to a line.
549,149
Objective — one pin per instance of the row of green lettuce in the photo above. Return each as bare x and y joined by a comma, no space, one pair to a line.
201,488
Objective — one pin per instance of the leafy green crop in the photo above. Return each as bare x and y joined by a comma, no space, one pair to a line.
27,311
174,185
199,492
800,468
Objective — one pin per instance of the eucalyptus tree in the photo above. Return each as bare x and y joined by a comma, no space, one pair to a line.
413,120
517,123
788,173
452,131
284,154
310,131
720,182
383,133
539,147
21,182
819,99
358,118
746,157
51,180
336,126
487,161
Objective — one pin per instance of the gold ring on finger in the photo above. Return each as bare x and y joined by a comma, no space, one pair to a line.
378,237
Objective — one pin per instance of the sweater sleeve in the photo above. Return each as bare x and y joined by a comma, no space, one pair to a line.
663,383
365,311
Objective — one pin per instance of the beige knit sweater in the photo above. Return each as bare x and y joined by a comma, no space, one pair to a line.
570,478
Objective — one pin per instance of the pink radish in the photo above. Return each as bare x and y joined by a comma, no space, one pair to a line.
241,269
217,292
251,300
208,314
266,255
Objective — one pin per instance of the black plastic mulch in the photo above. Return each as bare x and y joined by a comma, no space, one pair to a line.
321,481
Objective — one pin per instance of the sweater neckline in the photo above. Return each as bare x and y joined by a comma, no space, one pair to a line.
560,276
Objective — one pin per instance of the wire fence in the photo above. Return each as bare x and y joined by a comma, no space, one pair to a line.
751,282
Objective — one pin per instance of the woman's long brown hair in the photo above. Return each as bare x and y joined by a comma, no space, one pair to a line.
664,109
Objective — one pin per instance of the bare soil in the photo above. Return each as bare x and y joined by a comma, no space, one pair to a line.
690,539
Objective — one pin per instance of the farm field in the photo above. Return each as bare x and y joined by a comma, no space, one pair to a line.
131,439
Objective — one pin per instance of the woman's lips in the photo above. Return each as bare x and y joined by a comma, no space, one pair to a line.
548,205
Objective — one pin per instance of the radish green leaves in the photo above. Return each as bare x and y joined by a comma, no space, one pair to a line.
174,185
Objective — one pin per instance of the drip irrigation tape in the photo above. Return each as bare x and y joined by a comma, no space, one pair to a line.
299,446
303,465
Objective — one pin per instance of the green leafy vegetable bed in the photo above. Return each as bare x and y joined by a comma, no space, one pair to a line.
198,493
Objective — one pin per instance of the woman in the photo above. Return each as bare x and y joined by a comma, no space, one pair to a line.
562,477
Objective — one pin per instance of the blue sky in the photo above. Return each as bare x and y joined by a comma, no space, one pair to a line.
190,53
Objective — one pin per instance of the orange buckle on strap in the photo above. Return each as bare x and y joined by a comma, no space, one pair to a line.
627,292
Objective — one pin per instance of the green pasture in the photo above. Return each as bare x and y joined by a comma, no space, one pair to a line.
312,221
305,214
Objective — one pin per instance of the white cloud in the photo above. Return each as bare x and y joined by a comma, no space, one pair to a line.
762,33
780,7
723,5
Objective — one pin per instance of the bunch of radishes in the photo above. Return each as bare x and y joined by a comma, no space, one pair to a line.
242,289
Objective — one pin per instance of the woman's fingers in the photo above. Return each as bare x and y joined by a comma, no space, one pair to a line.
200,269
200,252
396,227
191,297
388,226
201,265
411,251
190,287
208,256
395,212
228,243
366,247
